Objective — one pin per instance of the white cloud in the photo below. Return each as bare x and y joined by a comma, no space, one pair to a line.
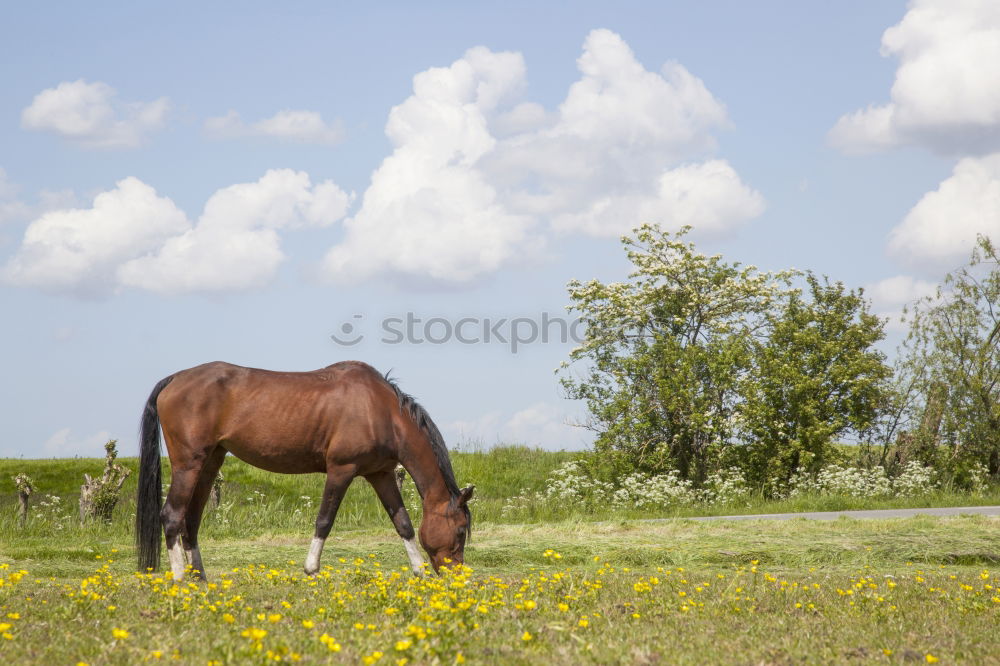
940,230
63,444
429,211
301,126
542,424
709,196
79,250
89,115
133,237
897,291
475,171
235,244
891,295
946,93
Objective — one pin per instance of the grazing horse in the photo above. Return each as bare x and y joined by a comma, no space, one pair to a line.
345,420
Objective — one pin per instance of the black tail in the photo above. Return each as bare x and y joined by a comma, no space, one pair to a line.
149,497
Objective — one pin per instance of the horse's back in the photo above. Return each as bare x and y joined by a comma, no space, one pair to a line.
282,421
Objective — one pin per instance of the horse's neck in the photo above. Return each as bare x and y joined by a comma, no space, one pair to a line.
422,465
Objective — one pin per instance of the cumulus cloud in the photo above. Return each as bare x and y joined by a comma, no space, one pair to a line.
429,211
89,115
946,94
891,295
707,195
235,243
131,236
300,126
79,249
939,231
476,172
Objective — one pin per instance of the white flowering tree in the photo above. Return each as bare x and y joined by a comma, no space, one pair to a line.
666,352
695,363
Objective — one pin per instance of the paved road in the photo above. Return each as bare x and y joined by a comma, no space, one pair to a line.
878,514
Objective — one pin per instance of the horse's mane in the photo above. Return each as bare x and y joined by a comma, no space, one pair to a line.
409,405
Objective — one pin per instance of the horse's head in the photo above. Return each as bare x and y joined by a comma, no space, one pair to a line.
443,532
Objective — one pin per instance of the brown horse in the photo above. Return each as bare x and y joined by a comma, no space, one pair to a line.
345,420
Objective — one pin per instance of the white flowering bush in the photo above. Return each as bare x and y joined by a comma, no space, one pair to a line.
726,486
571,486
570,483
647,492
915,480
978,477
52,512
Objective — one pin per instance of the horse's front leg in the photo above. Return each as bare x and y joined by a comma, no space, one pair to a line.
337,481
385,486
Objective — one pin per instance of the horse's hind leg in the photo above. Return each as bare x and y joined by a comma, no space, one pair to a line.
196,507
385,486
182,485
337,481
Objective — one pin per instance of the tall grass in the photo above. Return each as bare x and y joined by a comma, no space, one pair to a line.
257,503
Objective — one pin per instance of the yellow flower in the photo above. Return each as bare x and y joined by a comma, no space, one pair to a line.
401,646
583,622
529,605
156,654
329,641
119,634
563,607
253,633
227,617
274,617
308,624
931,659
526,637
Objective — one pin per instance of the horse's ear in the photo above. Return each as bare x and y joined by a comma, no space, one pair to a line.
465,494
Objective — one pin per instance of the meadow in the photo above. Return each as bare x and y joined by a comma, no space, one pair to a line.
559,584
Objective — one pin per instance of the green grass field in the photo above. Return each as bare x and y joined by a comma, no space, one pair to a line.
558,587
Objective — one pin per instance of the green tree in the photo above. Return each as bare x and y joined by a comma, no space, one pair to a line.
816,376
667,351
952,351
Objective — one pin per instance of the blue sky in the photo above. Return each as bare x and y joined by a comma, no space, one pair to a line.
191,182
